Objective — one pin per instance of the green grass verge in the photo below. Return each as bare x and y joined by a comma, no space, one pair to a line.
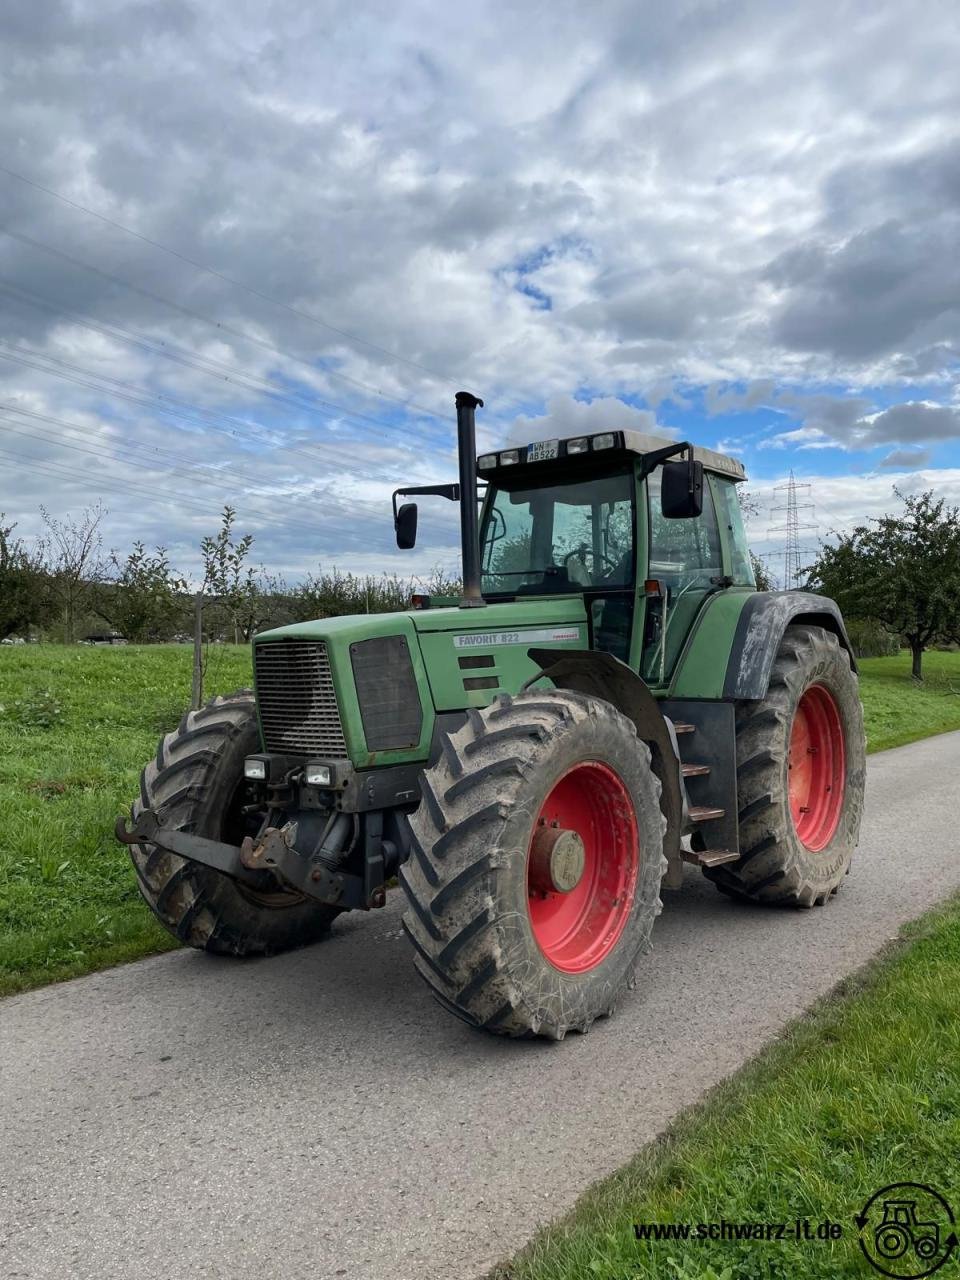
77,725
810,1129
897,710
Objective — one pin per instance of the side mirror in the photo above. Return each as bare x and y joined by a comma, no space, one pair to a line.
681,489
406,526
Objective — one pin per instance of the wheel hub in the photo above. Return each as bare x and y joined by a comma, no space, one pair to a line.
557,860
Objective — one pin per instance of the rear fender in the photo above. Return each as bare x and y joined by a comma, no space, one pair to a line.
601,675
763,620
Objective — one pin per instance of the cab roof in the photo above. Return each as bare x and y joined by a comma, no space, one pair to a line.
596,445
638,442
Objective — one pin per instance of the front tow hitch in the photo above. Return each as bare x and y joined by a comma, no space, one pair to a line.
272,851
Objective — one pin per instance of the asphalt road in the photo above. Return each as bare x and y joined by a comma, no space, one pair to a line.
317,1115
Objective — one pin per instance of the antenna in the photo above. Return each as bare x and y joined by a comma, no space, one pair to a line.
795,524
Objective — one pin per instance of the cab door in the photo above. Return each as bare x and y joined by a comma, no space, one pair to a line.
685,557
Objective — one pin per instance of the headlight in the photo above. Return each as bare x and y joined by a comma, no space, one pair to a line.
318,775
486,462
580,445
606,441
255,769
509,457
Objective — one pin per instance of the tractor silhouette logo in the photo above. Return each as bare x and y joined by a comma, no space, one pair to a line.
907,1231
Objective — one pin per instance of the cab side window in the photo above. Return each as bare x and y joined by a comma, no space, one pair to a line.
731,517
684,553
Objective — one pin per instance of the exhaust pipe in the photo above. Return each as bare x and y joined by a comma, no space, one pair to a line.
467,404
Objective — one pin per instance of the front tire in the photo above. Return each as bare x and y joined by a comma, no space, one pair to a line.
534,874
801,768
196,781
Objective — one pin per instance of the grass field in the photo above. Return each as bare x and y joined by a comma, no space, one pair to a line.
810,1129
76,726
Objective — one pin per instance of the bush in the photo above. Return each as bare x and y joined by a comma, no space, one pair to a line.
870,639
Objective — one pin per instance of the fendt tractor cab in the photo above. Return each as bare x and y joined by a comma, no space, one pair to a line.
611,698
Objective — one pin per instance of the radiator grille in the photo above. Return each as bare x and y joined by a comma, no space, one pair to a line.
297,700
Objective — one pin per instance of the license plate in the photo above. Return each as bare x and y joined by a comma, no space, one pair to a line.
543,450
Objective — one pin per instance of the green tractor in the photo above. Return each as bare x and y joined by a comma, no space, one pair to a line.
610,699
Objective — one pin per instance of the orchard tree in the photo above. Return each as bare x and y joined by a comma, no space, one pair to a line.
141,596
226,576
74,562
903,570
761,573
25,598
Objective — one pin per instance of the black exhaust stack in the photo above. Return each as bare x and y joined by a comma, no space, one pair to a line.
467,404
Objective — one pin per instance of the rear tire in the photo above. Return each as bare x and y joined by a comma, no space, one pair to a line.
795,750
496,947
196,782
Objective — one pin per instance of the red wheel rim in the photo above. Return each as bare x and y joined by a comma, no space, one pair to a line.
817,771
576,931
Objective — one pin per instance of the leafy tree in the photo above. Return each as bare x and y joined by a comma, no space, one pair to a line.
142,596
74,563
25,598
903,570
226,576
761,573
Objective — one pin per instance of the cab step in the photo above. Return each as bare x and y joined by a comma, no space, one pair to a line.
709,857
680,727
694,770
703,813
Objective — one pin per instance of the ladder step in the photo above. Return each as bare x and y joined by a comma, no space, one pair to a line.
694,770
704,813
680,727
709,857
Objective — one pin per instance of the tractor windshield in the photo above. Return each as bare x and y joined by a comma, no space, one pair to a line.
570,536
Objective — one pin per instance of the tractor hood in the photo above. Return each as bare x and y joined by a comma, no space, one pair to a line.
369,686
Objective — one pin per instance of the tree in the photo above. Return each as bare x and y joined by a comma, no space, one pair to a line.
225,576
142,596
903,570
74,565
24,585
761,573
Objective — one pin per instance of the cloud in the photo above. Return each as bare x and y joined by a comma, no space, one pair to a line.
914,420
594,204
566,416
801,438
907,459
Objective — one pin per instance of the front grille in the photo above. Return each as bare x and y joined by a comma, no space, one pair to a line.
297,700
387,692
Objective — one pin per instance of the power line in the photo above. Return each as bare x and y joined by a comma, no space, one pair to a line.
171,471
160,492
326,452
216,324
238,284
161,455
204,364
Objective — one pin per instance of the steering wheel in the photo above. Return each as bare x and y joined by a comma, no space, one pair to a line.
606,562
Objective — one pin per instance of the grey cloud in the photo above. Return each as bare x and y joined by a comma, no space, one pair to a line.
346,160
566,416
911,421
907,459
720,399
877,292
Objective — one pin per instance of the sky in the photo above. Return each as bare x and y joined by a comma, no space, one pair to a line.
248,254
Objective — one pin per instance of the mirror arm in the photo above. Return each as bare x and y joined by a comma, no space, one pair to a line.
656,456
450,491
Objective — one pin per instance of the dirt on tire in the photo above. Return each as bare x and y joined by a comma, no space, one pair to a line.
775,866
466,877
196,782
